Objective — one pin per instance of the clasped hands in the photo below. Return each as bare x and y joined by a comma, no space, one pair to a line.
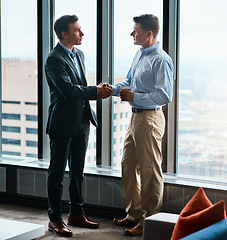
126,95
105,90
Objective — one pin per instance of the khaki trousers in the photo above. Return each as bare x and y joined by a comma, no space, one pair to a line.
142,183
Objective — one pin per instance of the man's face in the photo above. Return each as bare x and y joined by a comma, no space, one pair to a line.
74,36
139,36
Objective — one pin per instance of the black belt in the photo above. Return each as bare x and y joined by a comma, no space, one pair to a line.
139,110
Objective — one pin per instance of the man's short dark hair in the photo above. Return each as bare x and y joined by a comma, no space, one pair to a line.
62,24
148,22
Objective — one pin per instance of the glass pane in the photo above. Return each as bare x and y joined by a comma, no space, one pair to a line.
124,51
19,77
202,133
87,20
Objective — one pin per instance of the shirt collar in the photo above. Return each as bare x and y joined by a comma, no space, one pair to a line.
150,49
67,50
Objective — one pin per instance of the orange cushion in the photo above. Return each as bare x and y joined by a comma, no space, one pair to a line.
199,213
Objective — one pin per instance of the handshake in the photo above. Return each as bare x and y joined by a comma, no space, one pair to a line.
104,90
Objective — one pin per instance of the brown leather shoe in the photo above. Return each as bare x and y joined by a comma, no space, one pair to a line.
124,222
82,221
59,228
136,231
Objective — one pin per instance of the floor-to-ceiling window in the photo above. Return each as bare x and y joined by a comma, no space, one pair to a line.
19,78
124,51
202,132
86,12
201,120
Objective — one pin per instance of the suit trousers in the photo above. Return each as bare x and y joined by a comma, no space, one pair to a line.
142,182
62,149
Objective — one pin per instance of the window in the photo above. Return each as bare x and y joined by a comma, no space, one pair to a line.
124,51
11,141
31,143
32,130
19,72
87,20
32,155
11,102
33,118
202,132
11,129
11,116
11,153
31,103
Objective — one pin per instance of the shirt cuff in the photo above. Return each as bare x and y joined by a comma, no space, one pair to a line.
115,91
136,99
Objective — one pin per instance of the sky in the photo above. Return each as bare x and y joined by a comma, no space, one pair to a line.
19,28
19,35
202,28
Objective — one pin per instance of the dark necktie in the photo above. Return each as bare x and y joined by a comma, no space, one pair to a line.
76,63
81,69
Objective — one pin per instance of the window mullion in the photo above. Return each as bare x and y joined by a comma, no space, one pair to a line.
107,76
45,45
172,108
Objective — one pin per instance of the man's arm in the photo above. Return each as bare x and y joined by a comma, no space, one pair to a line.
117,87
57,73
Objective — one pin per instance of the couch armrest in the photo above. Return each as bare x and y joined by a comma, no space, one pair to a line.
159,226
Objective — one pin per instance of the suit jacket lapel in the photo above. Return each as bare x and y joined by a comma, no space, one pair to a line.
69,61
82,67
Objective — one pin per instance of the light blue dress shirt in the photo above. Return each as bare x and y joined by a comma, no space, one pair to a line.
73,53
150,77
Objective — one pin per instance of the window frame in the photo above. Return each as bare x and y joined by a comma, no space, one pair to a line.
45,44
170,45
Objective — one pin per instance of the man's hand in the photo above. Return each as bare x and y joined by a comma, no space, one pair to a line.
126,95
104,90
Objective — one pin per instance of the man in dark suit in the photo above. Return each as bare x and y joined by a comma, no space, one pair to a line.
68,123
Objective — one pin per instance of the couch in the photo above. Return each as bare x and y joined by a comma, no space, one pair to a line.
217,231
161,225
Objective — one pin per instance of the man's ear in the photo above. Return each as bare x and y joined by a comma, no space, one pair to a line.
150,34
64,34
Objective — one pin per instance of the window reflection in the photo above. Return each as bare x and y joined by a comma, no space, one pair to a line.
124,51
19,75
202,134
87,20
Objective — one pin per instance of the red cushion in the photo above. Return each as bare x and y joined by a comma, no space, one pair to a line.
199,213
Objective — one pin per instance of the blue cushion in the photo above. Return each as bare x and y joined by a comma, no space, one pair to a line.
217,231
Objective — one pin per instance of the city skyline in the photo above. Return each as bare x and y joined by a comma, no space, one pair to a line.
202,138
198,149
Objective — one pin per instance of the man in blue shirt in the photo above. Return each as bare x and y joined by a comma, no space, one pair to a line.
147,88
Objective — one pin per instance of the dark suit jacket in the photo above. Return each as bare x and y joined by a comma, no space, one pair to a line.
69,94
